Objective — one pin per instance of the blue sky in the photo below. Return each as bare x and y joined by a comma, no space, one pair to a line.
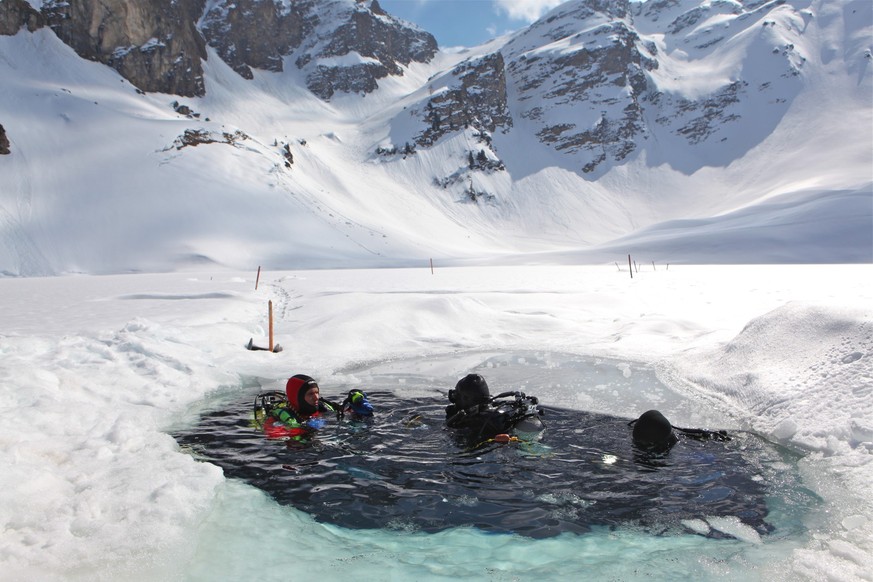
468,22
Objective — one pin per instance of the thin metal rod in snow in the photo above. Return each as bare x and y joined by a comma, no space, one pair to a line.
630,266
270,310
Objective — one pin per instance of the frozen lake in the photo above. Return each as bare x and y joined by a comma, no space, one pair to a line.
97,372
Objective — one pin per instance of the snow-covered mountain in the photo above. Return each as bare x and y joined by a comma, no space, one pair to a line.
153,135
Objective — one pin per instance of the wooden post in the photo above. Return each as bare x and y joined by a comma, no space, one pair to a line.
258,278
270,309
630,266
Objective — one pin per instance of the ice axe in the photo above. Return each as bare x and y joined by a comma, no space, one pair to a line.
251,346
272,348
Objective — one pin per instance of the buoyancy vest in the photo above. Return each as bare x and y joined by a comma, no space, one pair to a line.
283,422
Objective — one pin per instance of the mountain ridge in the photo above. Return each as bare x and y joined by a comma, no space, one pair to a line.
589,126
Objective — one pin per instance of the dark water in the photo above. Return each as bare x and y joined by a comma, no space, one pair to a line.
406,471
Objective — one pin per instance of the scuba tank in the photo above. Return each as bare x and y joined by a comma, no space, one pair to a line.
264,404
499,414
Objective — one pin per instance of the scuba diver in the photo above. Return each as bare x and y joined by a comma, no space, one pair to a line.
653,433
480,416
297,414
356,406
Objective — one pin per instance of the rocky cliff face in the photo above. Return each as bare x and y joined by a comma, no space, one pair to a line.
590,79
160,45
4,142
152,43
342,45
257,34
584,96
586,55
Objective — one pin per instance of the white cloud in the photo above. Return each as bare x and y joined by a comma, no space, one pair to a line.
526,10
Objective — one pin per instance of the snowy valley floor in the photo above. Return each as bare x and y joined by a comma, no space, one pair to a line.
95,371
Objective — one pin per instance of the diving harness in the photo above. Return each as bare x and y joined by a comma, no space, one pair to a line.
266,402
506,409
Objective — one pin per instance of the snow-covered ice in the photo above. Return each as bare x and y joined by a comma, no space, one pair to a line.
97,370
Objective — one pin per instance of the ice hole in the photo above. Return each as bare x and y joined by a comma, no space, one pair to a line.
540,493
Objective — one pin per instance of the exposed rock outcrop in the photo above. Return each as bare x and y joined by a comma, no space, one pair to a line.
195,137
476,98
603,73
368,45
4,142
15,14
257,34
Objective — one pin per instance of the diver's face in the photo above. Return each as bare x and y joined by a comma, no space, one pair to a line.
311,396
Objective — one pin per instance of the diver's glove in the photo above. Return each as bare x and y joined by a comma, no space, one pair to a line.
315,423
358,403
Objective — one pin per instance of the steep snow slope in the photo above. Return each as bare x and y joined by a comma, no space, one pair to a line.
100,178
102,183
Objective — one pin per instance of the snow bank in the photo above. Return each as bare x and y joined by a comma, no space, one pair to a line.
803,371
802,375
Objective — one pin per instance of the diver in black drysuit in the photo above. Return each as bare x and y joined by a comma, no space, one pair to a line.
480,416
653,433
